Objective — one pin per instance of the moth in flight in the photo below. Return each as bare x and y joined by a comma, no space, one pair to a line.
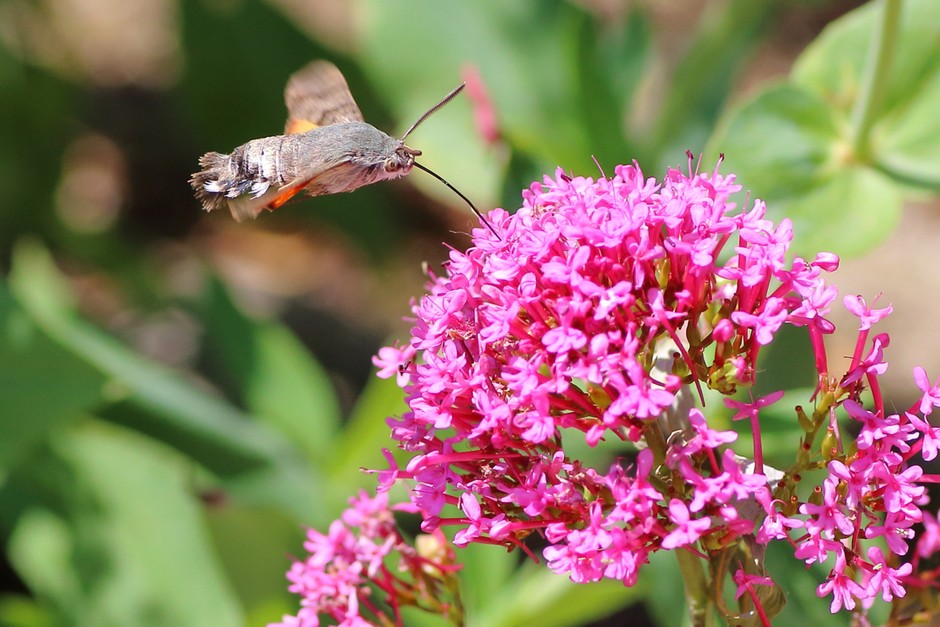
326,148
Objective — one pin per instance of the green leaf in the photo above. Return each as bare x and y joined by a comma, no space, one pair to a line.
37,115
105,555
784,147
486,571
537,596
366,434
127,544
780,144
254,546
238,58
22,611
31,364
702,79
850,212
275,376
908,142
611,58
665,592
526,54
906,139
792,144
152,399
833,64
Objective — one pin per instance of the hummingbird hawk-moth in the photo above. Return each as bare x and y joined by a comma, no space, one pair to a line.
326,148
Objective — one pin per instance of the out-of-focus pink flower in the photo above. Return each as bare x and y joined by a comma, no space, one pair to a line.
484,111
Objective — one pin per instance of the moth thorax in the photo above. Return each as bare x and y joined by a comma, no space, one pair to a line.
402,159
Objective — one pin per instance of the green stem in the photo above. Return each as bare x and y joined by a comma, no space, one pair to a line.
873,88
701,605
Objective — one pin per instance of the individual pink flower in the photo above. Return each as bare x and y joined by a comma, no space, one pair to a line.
687,529
866,315
391,360
881,577
930,436
775,525
844,589
929,542
931,396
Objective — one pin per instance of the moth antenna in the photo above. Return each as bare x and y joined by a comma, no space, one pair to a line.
434,109
454,189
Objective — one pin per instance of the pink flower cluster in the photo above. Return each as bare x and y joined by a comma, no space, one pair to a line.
602,307
611,310
348,564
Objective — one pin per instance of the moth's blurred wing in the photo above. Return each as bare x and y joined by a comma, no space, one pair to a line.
318,95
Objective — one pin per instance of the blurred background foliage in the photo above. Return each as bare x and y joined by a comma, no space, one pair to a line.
183,394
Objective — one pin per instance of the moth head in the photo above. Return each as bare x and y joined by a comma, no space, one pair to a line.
402,160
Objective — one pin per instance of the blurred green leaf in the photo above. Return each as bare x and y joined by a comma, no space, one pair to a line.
665,593
791,143
22,611
255,546
781,143
154,400
366,434
536,596
699,86
239,55
30,365
277,378
907,137
784,145
34,138
526,55
852,211
108,556
486,571
611,58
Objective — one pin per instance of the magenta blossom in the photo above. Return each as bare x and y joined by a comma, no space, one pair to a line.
597,306
346,575
615,311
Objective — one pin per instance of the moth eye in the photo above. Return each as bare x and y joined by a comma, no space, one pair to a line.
392,165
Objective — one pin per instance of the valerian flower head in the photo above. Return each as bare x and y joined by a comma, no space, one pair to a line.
609,311
558,326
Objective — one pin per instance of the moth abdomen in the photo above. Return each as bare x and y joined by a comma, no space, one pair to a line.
243,180
213,183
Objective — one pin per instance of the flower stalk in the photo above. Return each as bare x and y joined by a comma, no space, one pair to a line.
874,86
